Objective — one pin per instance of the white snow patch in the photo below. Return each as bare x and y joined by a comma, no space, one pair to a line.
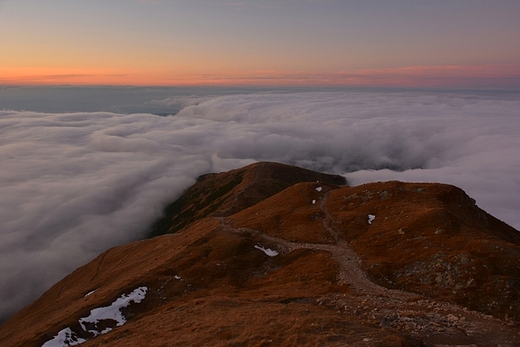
177,277
65,337
112,312
313,202
89,293
319,189
371,218
267,251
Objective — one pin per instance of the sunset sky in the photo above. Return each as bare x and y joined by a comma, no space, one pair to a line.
441,43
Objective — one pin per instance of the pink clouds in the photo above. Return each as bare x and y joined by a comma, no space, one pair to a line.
496,76
447,76
484,76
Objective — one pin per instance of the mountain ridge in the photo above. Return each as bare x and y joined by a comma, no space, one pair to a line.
237,190
316,263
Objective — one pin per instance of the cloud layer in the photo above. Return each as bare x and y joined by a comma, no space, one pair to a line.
75,184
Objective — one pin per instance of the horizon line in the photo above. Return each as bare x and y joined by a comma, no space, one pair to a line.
275,86
504,76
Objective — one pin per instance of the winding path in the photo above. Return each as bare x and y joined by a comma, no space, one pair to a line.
419,315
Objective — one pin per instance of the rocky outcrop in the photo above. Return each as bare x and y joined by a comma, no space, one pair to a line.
303,264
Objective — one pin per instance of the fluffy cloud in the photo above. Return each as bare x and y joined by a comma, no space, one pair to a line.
75,184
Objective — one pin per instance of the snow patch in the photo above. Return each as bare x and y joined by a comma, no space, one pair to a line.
267,251
65,337
313,202
112,312
371,218
90,293
319,189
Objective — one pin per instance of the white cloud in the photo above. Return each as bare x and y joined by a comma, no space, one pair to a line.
73,185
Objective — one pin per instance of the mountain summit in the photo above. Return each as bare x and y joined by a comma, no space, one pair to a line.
274,255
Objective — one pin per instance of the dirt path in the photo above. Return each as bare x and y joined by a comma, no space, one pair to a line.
439,323
350,263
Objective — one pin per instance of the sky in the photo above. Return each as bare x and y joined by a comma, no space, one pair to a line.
442,43
110,109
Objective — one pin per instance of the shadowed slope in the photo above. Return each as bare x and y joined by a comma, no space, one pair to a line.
229,192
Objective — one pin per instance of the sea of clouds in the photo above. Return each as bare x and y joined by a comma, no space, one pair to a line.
74,184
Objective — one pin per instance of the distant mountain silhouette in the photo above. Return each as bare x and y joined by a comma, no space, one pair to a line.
275,255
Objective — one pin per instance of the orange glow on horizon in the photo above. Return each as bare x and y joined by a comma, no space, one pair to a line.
412,76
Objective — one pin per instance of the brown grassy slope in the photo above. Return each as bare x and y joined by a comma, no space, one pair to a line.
429,239
229,192
210,286
432,239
